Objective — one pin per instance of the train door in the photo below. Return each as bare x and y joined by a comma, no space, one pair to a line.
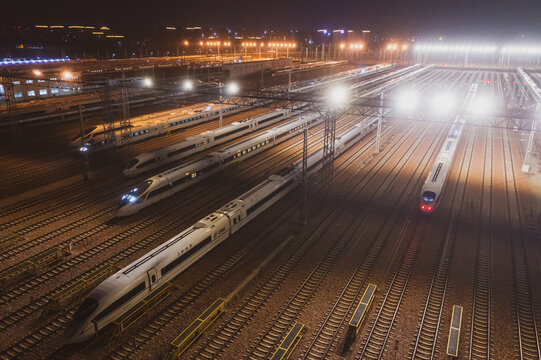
152,279
235,219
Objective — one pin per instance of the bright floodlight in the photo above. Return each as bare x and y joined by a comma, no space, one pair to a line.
407,100
443,103
37,72
187,85
147,82
67,75
482,105
232,88
337,95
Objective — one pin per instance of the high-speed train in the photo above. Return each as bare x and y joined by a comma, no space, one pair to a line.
146,126
434,185
124,289
161,186
152,159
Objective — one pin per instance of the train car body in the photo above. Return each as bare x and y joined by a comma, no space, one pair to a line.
434,185
127,287
153,159
437,178
156,124
167,183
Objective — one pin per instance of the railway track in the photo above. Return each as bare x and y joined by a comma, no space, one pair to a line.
21,247
326,337
151,331
481,316
52,327
424,346
527,339
258,297
291,310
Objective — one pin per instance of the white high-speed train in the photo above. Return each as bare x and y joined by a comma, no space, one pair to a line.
437,178
434,185
155,124
152,159
124,289
161,186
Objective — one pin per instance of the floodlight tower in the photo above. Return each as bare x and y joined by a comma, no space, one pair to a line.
336,98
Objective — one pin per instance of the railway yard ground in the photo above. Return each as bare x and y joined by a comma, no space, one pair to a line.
480,249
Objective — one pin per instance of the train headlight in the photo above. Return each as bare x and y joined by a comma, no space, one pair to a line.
129,198
84,149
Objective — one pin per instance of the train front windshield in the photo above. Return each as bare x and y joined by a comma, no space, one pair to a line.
134,193
429,197
132,163
80,316
87,131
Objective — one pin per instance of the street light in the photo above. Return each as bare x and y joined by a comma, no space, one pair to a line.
37,72
67,75
337,95
232,88
187,85
147,82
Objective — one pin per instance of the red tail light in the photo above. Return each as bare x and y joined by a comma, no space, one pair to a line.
430,208
422,207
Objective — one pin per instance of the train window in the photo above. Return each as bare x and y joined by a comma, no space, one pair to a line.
184,256
429,196
132,163
148,162
234,221
153,279
18,95
120,301
86,308
157,191
31,93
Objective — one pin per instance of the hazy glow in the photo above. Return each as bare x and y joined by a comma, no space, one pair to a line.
67,75
147,82
455,48
233,88
187,85
482,105
525,50
37,72
337,95
443,103
407,100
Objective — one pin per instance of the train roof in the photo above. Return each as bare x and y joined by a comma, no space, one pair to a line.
171,115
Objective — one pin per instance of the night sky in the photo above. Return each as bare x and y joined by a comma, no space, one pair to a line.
392,17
